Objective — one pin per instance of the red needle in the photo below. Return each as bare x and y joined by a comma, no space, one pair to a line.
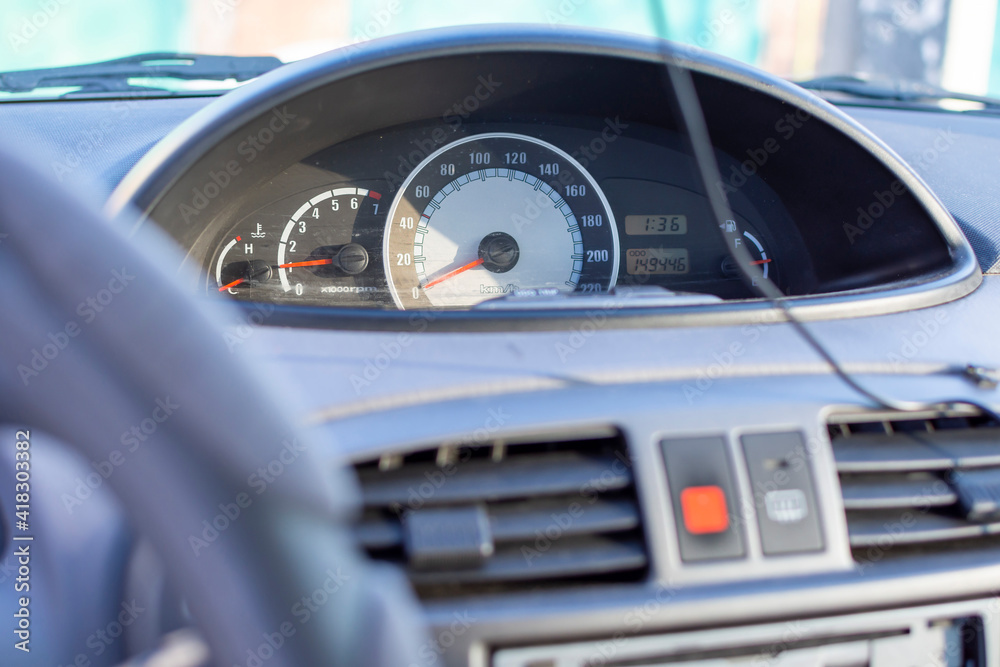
761,261
232,284
311,262
452,274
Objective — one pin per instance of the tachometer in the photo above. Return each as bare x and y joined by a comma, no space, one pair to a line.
493,213
306,250
312,253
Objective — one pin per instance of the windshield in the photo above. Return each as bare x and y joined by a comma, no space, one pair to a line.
949,43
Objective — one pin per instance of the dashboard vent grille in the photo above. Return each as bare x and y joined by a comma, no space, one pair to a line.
465,519
917,483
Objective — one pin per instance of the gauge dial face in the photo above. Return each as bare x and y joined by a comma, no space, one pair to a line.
736,235
313,250
494,213
758,254
305,249
238,269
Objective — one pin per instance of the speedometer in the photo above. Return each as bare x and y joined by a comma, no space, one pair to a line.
494,213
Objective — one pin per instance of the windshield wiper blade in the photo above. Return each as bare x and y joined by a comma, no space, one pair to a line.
898,91
114,75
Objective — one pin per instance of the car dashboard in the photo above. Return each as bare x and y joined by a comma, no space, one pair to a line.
482,267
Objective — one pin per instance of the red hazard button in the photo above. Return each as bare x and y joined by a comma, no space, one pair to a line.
704,510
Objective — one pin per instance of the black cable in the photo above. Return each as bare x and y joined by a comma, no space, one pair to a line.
691,121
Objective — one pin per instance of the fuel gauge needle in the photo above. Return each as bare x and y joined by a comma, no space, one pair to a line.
761,261
232,284
452,274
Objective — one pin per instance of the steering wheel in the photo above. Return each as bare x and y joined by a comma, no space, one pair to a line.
117,333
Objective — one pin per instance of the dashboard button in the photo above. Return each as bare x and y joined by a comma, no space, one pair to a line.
787,515
703,495
704,509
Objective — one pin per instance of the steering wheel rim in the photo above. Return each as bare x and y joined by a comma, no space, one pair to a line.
127,335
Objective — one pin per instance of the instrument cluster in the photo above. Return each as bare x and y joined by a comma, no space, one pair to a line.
488,213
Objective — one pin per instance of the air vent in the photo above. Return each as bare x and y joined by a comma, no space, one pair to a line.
462,519
918,483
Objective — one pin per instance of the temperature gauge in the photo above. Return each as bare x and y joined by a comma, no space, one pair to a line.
238,269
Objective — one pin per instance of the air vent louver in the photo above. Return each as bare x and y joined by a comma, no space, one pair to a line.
557,511
917,483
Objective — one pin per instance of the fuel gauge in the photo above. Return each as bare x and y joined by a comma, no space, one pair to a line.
736,238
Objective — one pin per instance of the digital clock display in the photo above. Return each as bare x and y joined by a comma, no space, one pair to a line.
656,261
647,225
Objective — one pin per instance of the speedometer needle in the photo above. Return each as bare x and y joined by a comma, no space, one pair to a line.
760,261
310,262
452,274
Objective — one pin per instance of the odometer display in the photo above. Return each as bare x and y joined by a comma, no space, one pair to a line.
494,213
656,261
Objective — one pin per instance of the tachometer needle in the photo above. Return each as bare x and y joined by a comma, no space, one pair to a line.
310,262
761,261
232,284
452,274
